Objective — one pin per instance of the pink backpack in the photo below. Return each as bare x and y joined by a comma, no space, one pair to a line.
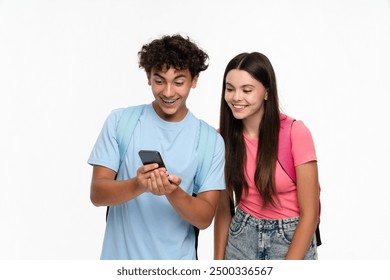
285,157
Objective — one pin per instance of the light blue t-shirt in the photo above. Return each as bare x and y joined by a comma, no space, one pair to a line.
148,227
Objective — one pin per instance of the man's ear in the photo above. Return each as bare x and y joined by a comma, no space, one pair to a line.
148,77
194,81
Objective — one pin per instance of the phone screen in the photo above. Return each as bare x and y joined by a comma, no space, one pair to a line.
150,156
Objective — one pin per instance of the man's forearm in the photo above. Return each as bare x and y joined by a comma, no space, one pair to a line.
198,211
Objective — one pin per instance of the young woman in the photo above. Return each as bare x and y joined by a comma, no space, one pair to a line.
275,217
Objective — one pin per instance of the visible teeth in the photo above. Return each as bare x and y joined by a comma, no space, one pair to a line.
168,101
239,106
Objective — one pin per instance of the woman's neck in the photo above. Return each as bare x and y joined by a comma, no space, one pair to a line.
251,128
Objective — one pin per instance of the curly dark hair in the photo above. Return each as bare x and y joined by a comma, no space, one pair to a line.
173,51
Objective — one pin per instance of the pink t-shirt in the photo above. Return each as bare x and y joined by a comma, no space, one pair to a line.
303,151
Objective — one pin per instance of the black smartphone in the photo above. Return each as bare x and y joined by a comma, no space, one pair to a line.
150,156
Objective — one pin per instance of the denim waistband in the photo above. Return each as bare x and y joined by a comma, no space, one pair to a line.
265,223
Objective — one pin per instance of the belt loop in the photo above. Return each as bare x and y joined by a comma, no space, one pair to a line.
281,224
246,218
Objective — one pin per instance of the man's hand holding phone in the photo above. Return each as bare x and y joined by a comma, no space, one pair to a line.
154,176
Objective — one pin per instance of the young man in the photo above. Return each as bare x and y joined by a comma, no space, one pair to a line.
152,211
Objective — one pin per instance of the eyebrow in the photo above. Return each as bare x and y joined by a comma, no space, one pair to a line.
175,78
246,85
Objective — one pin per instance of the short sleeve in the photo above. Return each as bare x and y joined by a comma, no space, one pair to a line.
215,179
106,151
303,148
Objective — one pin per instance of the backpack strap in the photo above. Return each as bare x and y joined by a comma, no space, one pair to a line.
285,157
206,146
126,126
124,132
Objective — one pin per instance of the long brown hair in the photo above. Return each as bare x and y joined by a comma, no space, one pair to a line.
231,129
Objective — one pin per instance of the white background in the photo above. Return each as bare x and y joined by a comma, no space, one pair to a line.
64,65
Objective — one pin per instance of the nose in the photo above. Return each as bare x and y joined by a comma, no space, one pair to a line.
237,95
169,91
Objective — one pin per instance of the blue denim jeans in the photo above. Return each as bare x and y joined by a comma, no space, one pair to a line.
251,238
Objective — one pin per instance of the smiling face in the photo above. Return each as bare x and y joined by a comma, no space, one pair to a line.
171,88
245,97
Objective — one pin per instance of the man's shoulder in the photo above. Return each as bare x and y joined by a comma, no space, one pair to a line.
131,108
118,113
